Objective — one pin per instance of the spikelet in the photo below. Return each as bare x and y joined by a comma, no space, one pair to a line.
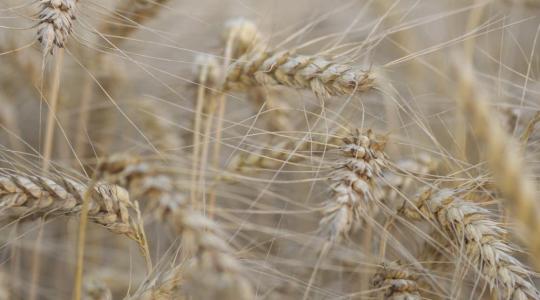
29,197
481,239
56,19
399,282
323,76
353,181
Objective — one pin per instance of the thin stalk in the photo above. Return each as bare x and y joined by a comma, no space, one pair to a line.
201,93
81,241
47,152
51,115
221,99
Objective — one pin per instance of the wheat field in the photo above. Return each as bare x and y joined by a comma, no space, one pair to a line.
243,149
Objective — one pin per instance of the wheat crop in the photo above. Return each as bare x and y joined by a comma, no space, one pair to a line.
308,149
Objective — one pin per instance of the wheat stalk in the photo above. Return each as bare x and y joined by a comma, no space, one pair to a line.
470,229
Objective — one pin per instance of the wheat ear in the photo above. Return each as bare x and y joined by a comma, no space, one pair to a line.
55,23
30,197
323,76
481,239
244,35
504,159
398,282
353,181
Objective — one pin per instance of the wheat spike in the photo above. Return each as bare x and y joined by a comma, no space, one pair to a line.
245,36
503,158
353,181
56,19
400,284
323,76
481,239
28,197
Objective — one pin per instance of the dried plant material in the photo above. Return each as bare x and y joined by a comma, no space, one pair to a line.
353,180
207,77
243,35
29,197
144,180
503,158
398,282
323,76
163,286
479,239
213,265
56,19
216,118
